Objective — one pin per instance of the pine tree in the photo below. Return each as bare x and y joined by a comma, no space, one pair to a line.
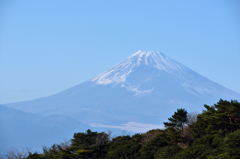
178,120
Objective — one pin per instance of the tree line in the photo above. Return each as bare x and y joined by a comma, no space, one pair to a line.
213,134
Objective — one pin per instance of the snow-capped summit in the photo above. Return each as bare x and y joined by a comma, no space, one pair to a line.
146,72
155,59
150,59
141,53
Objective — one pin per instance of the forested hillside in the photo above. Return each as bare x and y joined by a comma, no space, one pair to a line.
213,134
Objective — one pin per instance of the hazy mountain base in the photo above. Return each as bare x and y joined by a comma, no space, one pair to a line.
213,134
22,132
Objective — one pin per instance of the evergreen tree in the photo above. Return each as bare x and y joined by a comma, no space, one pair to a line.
178,120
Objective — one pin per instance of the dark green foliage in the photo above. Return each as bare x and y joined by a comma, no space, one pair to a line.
214,135
178,120
167,152
231,145
153,141
123,147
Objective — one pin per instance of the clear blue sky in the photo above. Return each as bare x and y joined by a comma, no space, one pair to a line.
49,45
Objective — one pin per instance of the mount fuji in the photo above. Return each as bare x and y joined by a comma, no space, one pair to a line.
145,88
136,95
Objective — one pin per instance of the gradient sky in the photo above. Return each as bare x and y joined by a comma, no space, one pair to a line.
49,45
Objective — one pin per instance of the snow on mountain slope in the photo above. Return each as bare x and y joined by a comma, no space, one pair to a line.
119,73
144,67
